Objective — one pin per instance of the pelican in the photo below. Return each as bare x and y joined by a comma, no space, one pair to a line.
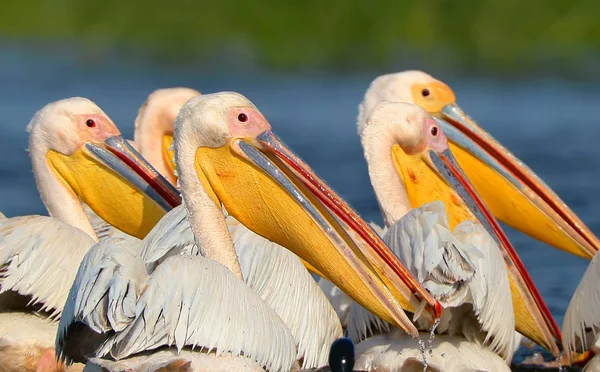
513,192
422,185
464,269
76,153
268,268
143,309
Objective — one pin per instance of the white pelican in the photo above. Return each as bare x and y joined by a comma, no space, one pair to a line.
76,152
464,269
268,264
513,192
422,184
269,269
128,302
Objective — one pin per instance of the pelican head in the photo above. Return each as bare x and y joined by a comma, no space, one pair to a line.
154,127
514,193
242,166
89,160
396,137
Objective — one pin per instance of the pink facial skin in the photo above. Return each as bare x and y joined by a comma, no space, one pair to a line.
434,136
95,128
244,122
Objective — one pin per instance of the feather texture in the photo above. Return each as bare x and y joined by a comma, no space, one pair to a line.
217,313
273,272
285,288
280,278
172,235
29,247
397,351
582,319
460,267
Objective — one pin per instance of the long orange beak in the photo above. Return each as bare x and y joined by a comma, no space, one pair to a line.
380,254
553,221
273,193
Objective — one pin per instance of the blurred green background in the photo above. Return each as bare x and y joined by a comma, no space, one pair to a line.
490,35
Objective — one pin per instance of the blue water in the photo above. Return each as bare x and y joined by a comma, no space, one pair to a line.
550,124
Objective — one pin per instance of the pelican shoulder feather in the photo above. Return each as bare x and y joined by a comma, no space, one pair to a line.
29,247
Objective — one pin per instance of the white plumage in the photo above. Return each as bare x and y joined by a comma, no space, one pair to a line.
463,267
277,275
29,246
139,312
164,293
581,324
271,271
394,353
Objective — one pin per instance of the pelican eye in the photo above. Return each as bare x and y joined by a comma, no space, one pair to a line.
425,92
434,131
243,117
90,123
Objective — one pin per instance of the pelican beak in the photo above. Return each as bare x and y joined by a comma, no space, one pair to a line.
447,182
271,191
117,183
168,154
514,193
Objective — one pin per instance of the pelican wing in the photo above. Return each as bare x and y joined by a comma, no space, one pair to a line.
489,287
172,235
280,278
103,297
582,319
459,267
423,242
39,257
196,302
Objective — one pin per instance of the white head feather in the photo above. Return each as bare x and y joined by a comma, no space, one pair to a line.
54,127
391,87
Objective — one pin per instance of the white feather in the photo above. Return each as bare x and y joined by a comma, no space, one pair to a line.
273,272
172,235
29,248
460,267
218,313
397,351
105,291
582,319
278,276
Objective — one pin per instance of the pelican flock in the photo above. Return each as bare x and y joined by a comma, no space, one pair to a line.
193,246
